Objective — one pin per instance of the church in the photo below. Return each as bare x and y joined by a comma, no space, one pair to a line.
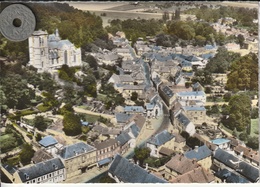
49,52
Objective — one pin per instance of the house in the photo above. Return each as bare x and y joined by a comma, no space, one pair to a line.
154,109
121,79
222,143
183,123
162,139
226,176
197,175
179,165
41,155
156,79
127,90
50,144
78,157
134,110
50,171
189,96
197,114
202,154
167,95
107,149
179,143
186,66
248,154
124,141
122,118
123,171
232,46
49,52
197,87
223,159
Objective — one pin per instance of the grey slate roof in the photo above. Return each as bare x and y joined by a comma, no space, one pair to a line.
199,154
248,171
40,169
123,138
183,119
131,173
77,148
230,176
135,130
161,138
122,118
105,144
48,141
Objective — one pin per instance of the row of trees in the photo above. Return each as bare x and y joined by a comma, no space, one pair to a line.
244,16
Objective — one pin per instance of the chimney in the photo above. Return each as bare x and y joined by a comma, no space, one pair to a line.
196,148
137,162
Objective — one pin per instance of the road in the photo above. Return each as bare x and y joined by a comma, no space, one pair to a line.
81,110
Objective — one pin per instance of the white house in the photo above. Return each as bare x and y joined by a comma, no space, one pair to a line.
192,96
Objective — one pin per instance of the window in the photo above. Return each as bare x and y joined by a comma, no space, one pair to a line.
33,180
38,179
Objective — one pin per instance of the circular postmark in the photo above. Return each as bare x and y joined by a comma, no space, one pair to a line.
17,22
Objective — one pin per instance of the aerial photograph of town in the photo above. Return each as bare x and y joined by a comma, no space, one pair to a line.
132,92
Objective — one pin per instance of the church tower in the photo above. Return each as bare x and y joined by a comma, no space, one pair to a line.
38,48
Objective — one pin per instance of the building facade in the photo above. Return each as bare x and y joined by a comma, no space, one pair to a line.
48,52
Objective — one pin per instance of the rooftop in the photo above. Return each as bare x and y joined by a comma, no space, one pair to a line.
48,141
192,93
181,164
40,169
199,153
75,149
220,141
105,144
247,170
138,109
128,172
161,138
197,175
123,138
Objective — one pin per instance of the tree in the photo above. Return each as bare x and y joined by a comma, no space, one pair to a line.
253,142
67,108
243,136
239,112
38,137
134,96
71,124
26,154
91,61
244,73
141,154
254,113
240,40
40,123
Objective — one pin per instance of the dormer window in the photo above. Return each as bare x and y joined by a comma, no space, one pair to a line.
26,176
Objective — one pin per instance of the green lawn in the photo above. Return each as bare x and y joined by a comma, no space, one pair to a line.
90,118
43,108
102,97
254,127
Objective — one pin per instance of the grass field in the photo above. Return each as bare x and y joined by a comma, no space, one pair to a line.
254,127
43,108
91,118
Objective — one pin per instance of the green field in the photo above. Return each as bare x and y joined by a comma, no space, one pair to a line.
43,108
254,127
90,118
